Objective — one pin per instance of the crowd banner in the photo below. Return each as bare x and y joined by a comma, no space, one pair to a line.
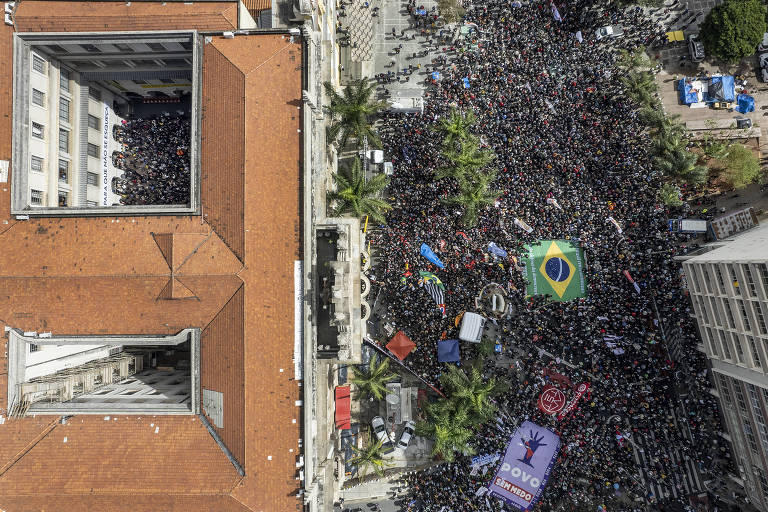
430,255
526,466
522,225
551,400
554,267
615,223
629,278
555,12
553,202
581,390
496,250
579,37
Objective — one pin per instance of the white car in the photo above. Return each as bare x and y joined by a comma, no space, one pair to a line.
609,31
380,429
408,432
764,66
763,46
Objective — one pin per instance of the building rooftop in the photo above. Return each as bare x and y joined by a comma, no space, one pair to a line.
748,246
228,272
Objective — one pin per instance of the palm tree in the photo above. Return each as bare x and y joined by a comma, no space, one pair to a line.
351,113
682,164
465,161
369,457
471,392
640,86
373,381
473,196
449,426
356,194
456,128
670,194
631,61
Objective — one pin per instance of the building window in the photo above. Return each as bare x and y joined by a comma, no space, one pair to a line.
123,47
720,280
63,170
93,150
156,47
139,82
750,282
64,79
91,203
94,93
33,347
745,317
36,163
90,48
64,110
755,353
176,62
38,98
63,199
63,140
38,130
764,276
726,347
38,64
729,314
168,80
93,178
694,279
760,318
37,196
739,349
732,273
56,48
94,122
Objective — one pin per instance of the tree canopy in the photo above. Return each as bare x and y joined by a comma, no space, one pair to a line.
373,381
742,167
351,112
733,29
357,195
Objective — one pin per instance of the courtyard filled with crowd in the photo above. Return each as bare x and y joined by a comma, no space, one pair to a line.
570,153
155,159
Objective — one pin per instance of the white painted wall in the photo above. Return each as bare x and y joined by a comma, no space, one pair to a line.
49,359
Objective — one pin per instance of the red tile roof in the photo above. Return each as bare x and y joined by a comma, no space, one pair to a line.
108,275
48,16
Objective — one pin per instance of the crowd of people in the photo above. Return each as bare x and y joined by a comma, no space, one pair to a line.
553,110
155,158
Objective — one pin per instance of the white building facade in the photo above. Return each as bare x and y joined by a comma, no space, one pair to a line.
729,290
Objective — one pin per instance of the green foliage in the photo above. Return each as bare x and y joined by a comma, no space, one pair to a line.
681,164
455,129
450,10
733,29
358,195
715,149
486,347
473,196
464,162
631,61
351,113
640,86
742,167
373,381
369,457
670,195
450,420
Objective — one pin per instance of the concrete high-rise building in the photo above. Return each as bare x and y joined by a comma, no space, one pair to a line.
728,283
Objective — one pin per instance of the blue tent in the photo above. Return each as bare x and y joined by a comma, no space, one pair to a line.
686,96
448,351
746,103
721,88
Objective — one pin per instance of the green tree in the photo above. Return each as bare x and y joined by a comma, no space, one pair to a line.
373,381
640,86
733,29
682,164
352,111
670,195
473,196
667,141
448,425
369,457
715,149
464,162
632,61
455,129
742,167
450,10
471,392
358,195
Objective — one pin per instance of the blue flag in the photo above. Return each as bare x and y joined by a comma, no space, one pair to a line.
466,82
430,255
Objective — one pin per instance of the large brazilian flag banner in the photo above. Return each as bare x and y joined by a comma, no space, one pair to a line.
555,267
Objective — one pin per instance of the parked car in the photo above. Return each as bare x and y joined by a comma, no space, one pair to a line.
408,432
609,31
695,48
764,66
380,429
763,46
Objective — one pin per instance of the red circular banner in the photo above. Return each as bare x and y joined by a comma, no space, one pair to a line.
551,400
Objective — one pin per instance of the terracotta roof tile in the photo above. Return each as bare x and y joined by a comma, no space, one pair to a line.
272,241
122,454
50,16
213,257
222,370
257,5
122,503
